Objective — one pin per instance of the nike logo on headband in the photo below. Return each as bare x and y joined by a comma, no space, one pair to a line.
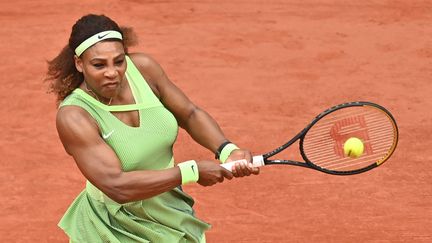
102,36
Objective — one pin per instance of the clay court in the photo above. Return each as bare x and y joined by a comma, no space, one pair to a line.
263,70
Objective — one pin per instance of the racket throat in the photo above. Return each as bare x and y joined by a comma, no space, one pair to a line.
258,161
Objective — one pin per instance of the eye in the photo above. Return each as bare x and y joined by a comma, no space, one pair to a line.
98,65
119,62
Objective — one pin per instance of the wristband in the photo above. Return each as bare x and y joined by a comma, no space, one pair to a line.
226,151
219,150
189,171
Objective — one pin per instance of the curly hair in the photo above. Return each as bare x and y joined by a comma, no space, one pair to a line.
62,75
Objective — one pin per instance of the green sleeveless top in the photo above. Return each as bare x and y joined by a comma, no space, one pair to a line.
168,217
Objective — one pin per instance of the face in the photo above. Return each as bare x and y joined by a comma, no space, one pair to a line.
103,66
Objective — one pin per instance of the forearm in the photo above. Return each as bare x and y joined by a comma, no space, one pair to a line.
204,129
139,185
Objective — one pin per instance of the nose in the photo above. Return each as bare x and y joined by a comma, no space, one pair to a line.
111,72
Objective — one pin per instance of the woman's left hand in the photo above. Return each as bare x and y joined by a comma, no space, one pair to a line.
241,169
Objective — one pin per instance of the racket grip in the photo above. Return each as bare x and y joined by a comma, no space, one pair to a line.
257,161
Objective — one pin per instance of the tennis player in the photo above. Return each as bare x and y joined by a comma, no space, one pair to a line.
118,118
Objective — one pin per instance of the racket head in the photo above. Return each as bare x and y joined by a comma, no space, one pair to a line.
322,141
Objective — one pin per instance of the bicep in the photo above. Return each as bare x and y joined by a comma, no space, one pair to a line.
81,139
175,100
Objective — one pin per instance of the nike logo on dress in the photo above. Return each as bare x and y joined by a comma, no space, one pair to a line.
106,136
102,36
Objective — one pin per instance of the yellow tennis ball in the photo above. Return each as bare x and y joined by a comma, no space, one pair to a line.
353,147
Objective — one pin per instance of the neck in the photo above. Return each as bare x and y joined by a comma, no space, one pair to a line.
95,95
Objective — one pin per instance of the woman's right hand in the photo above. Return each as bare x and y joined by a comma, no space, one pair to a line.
211,173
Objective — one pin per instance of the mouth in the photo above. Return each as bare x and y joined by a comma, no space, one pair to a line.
111,85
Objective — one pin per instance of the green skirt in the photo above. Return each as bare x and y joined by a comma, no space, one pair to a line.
168,217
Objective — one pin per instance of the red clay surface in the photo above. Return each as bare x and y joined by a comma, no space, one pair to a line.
263,69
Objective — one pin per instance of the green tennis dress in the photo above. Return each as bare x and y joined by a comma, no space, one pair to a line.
168,217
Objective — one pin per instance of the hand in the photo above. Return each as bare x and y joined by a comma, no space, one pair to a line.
242,169
211,173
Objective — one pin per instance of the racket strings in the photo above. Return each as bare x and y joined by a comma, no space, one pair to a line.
323,143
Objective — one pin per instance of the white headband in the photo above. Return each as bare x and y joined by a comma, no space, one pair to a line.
109,34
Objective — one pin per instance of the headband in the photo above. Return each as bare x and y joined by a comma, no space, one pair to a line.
109,34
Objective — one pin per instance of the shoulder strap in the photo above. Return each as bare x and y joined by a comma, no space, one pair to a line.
140,88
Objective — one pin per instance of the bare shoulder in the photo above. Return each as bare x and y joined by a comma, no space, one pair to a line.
72,117
144,62
75,125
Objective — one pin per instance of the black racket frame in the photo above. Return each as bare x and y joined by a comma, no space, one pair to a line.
301,135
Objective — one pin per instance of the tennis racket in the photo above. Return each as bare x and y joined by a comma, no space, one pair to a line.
321,143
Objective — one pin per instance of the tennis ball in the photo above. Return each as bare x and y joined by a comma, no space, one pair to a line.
353,147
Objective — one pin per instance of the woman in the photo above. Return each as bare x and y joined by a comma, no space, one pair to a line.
118,118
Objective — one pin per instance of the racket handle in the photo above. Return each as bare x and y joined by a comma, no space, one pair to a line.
257,161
